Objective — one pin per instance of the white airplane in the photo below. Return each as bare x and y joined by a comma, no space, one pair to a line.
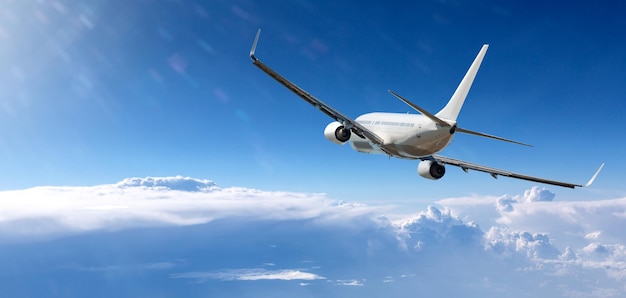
409,136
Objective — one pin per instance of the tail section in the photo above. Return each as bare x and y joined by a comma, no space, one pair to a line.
446,118
452,109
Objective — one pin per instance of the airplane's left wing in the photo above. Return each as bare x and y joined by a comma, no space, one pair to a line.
355,127
497,172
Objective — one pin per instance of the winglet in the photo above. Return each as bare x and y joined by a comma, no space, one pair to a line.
256,40
594,176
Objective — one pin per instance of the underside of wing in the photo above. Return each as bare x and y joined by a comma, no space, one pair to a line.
497,172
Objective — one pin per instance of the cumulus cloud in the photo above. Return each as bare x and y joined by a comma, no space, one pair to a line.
565,239
505,204
184,229
433,228
535,246
536,194
583,220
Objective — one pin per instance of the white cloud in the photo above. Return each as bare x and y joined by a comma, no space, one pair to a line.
534,246
170,183
536,194
488,245
555,236
351,283
249,275
578,219
505,204
593,235
537,212
144,202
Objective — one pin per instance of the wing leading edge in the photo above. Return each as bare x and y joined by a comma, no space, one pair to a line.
497,172
355,127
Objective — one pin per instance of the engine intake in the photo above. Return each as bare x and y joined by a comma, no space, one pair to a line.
337,133
431,169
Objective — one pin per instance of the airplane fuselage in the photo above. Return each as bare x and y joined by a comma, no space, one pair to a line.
409,136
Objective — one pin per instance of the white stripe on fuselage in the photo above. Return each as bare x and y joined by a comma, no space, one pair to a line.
405,135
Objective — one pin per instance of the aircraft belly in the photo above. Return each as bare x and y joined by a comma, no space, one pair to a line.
410,151
364,146
420,147
404,144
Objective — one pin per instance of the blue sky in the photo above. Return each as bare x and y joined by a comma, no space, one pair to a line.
97,92
142,154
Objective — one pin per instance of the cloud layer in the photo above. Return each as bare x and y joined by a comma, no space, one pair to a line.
183,236
148,202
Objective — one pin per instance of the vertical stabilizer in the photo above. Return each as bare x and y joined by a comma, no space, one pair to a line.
452,109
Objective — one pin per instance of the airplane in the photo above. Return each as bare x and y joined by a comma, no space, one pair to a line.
409,136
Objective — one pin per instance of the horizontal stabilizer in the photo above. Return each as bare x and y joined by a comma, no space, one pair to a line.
480,134
421,110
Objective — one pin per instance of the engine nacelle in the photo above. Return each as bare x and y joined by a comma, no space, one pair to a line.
431,169
337,133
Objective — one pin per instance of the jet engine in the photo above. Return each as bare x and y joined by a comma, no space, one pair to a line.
430,169
337,133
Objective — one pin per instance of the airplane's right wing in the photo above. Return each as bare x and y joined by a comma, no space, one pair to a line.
497,172
355,127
